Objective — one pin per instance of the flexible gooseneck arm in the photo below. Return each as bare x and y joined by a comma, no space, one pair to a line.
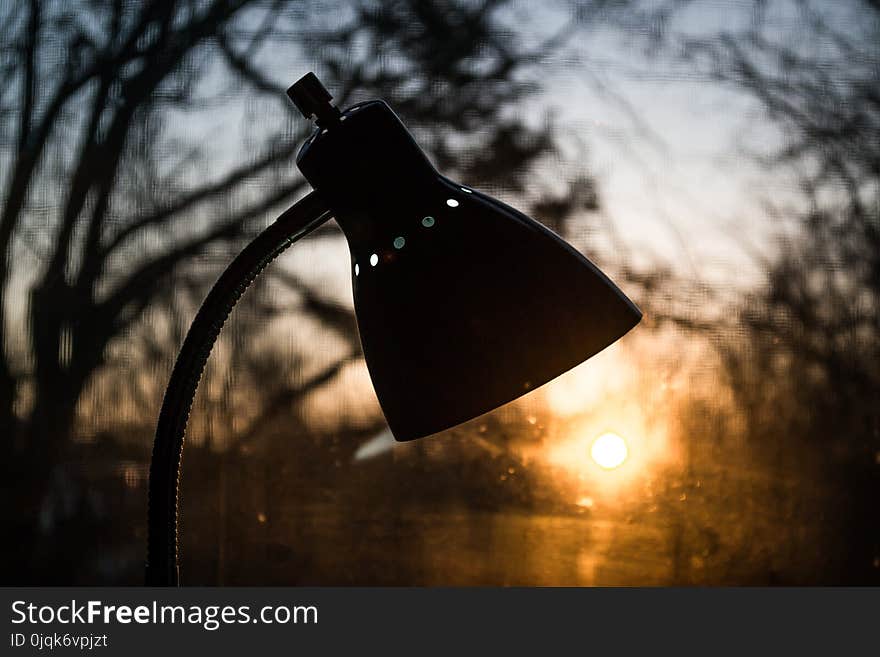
162,549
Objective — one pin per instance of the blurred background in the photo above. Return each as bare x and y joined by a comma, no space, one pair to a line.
720,160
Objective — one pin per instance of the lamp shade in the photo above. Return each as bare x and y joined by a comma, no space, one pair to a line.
462,302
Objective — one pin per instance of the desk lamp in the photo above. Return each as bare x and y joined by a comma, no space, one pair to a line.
462,302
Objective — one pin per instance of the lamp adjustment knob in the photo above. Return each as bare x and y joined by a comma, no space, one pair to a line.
312,99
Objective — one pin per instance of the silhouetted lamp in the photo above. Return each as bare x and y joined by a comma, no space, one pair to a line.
463,303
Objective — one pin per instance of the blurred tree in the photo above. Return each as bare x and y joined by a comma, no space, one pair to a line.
806,371
94,202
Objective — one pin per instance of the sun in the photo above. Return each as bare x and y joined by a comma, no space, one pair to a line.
609,451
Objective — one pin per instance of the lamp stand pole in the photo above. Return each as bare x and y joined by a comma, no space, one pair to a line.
162,525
